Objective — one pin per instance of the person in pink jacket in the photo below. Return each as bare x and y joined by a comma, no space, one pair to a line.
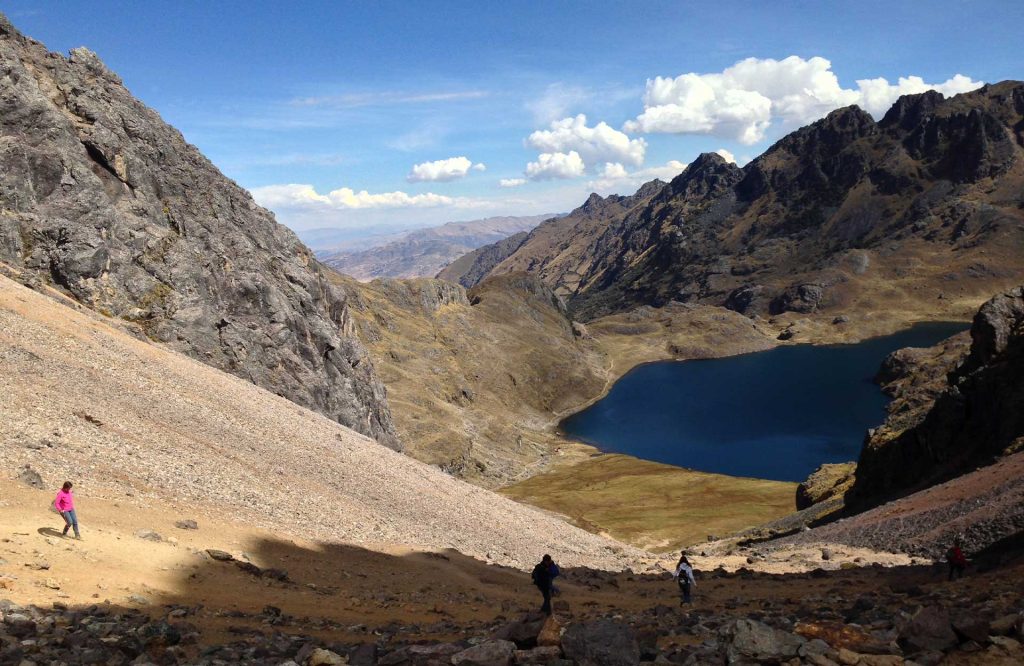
65,505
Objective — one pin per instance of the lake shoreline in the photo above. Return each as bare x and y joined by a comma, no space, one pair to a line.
857,360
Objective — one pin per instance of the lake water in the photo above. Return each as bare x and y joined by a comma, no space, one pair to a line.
776,414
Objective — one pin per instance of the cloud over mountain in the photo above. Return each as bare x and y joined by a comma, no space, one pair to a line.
600,143
744,100
556,165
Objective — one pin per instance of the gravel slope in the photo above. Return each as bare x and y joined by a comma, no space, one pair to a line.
83,400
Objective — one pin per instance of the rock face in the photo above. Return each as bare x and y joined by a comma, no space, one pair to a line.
977,416
102,199
832,215
827,482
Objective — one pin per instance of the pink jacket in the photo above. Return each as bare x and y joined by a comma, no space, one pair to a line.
64,501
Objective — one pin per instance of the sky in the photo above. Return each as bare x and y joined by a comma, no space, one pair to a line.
376,116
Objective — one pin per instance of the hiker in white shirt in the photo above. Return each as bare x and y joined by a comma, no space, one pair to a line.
684,576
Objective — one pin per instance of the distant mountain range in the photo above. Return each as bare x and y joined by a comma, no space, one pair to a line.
423,252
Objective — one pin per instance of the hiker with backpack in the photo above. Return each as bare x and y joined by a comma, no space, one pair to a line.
542,579
64,502
684,576
957,560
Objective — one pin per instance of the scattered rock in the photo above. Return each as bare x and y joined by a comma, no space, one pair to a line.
322,657
30,477
187,524
149,535
758,641
489,653
220,555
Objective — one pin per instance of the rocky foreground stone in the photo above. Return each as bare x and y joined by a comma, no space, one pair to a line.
858,623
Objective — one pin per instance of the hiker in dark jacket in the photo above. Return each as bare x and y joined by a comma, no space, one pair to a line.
542,579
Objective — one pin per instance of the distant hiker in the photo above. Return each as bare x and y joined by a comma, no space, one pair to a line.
65,505
957,561
542,579
684,576
555,573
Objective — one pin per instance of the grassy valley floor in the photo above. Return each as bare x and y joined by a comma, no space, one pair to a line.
651,505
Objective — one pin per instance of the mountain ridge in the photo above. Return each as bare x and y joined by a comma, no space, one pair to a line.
925,200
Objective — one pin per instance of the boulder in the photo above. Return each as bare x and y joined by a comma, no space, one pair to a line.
489,653
219,555
148,535
322,657
521,632
601,643
550,632
187,524
30,477
929,629
756,640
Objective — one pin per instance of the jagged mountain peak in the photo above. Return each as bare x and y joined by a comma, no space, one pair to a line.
910,110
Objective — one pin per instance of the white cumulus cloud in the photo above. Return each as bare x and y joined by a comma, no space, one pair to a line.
744,100
556,165
301,196
511,182
452,168
614,177
726,155
600,143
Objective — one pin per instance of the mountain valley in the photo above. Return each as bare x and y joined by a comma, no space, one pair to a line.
279,463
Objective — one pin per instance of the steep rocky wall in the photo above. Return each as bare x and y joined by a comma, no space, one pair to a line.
101,198
977,416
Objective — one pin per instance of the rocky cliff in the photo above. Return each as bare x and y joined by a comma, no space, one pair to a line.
101,198
947,425
921,211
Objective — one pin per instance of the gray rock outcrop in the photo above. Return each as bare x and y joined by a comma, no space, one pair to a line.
102,199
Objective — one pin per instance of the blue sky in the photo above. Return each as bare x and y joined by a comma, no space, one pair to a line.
310,104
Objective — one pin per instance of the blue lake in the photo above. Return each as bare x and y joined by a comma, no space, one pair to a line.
776,414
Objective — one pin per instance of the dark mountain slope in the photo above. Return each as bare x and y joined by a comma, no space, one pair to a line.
564,250
472,267
101,198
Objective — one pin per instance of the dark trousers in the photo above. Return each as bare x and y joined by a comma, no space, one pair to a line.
546,591
955,570
684,589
